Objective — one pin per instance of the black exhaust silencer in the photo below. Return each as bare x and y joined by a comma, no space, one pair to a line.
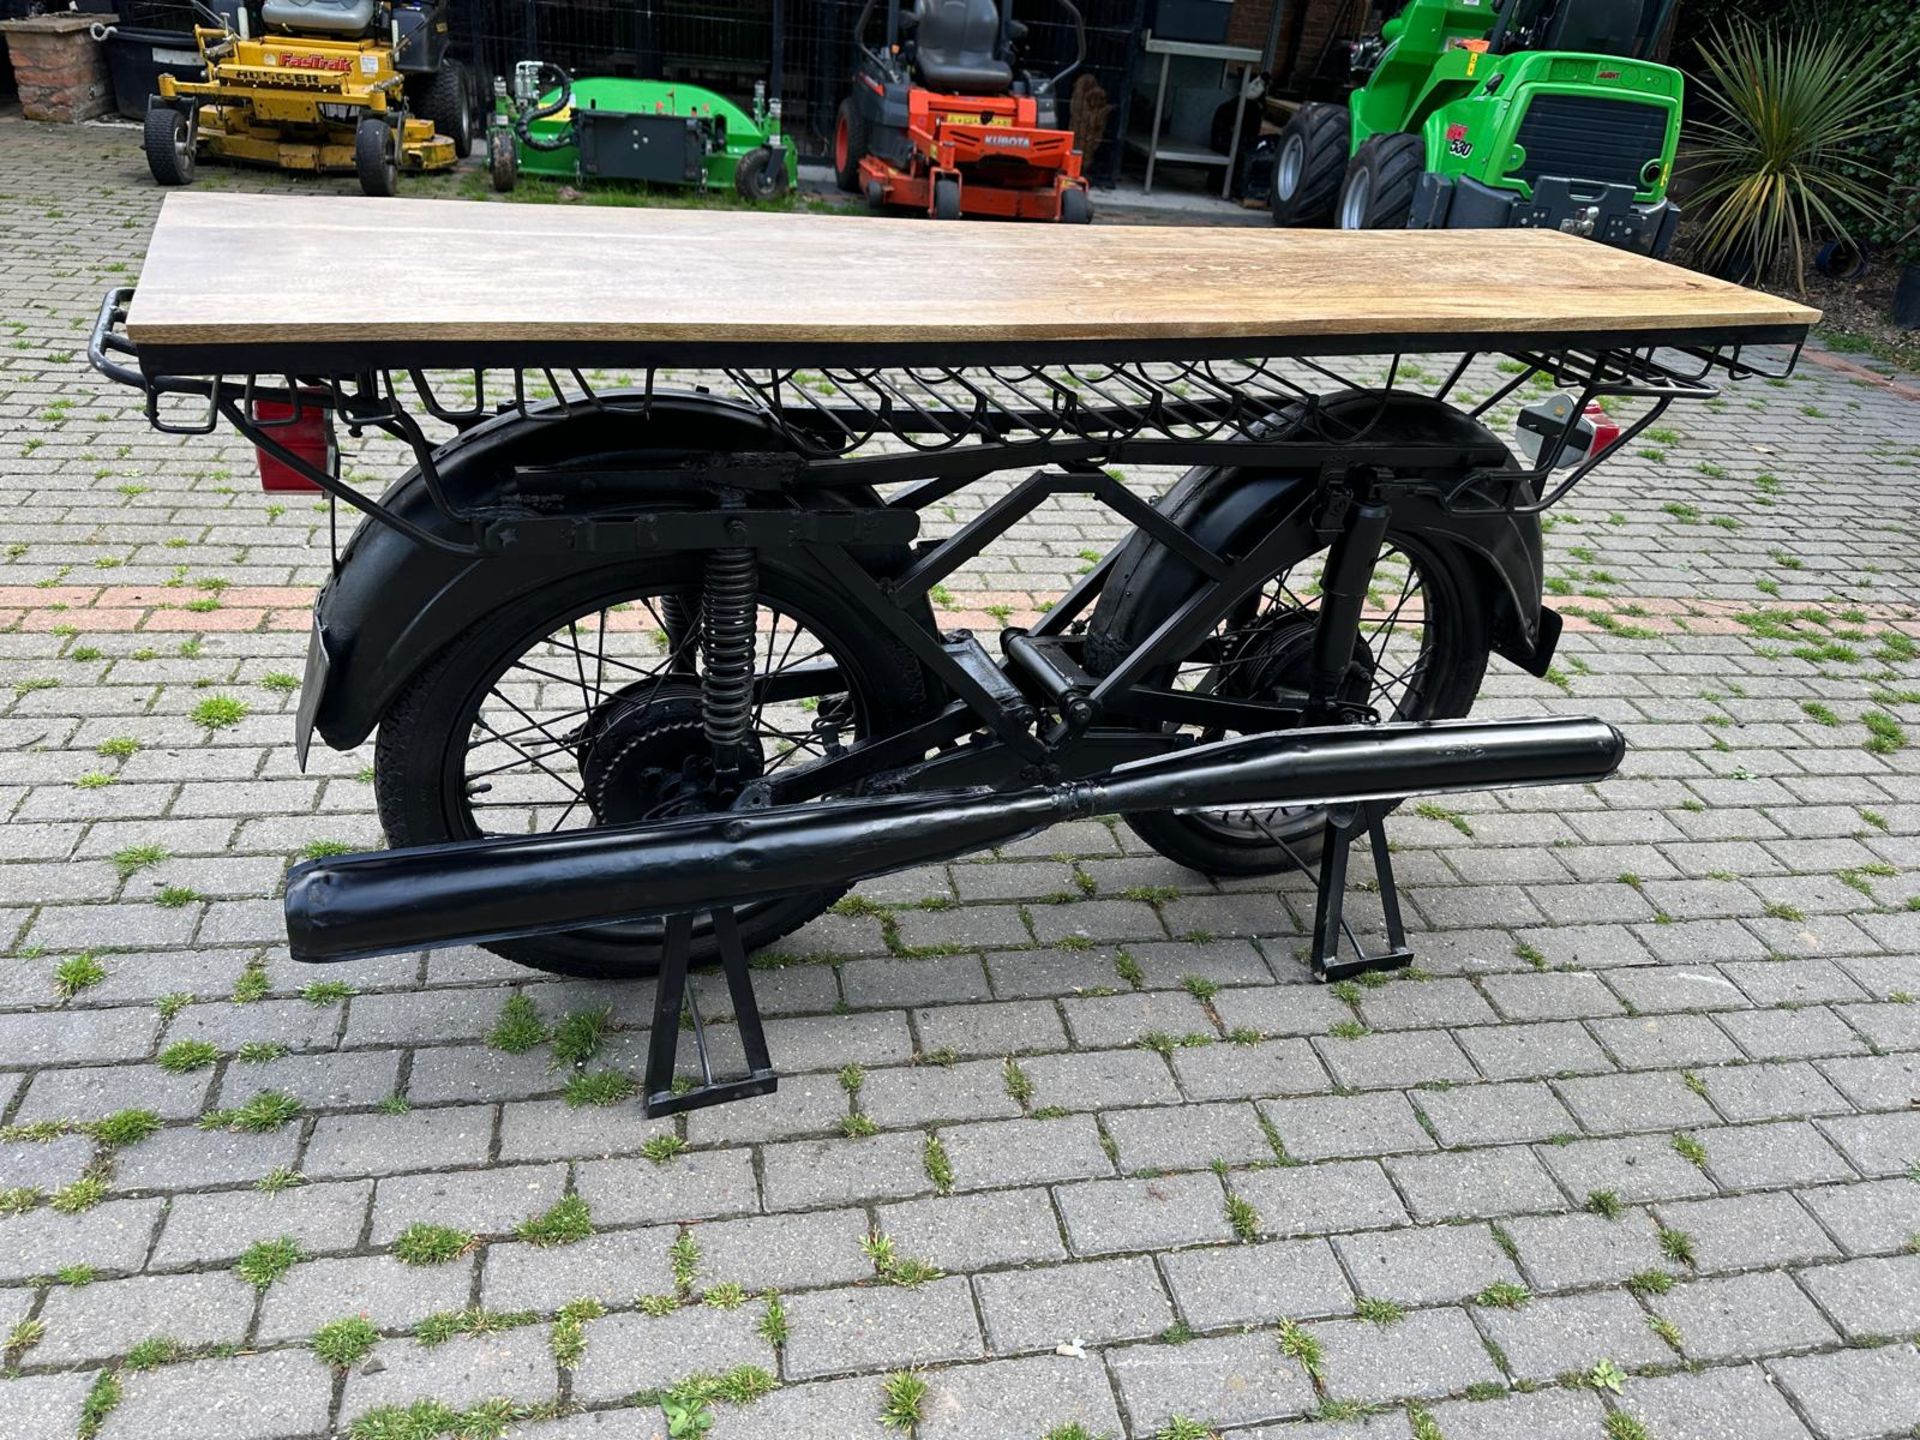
467,892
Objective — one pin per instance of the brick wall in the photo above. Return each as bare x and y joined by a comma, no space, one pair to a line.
60,70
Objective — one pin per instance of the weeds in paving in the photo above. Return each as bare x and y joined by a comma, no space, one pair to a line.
939,1167
19,1199
600,1087
267,1111
1380,1312
1691,1149
1650,1282
1179,1427
24,1335
82,1195
773,1320
135,858
439,1328
662,1148
1504,1294
579,1036
252,984
567,1222
903,1400
1621,1426
124,1127
1605,1375
684,1256
101,1402
265,1261
280,1178
1606,1204
184,1056
80,972
219,712
519,1027
1303,1345
1429,810
424,1244
1677,1245
344,1343
568,1339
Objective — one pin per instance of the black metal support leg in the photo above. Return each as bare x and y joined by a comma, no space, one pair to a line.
1344,824
672,995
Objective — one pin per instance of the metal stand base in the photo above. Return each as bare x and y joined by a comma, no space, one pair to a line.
672,995
1344,824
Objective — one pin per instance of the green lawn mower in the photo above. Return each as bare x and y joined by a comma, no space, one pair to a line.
1482,114
656,131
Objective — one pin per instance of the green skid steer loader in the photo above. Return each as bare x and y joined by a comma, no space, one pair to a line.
1482,114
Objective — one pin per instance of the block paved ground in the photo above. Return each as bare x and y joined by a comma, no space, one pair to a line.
1635,1151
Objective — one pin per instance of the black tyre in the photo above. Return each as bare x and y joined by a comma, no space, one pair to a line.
578,704
946,198
447,101
1427,669
1378,191
761,174
168,140
376,156
850,138
1076,207
1309,165
503,160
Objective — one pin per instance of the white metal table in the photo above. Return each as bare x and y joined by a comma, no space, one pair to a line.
1228,56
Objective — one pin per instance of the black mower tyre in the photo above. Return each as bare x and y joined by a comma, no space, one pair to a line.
1076,207
168,139
1310,164
448,102
1381,180
946,198
376,157
503,160
850,139
761,174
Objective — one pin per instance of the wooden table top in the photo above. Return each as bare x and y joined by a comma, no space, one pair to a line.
238,277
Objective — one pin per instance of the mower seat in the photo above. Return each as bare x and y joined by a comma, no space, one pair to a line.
319,17
957,44
1594,27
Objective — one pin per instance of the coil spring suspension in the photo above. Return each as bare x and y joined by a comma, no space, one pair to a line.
728,612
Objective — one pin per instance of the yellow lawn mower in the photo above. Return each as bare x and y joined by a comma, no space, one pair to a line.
321,85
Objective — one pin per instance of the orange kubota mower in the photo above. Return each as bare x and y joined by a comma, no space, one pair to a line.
943,118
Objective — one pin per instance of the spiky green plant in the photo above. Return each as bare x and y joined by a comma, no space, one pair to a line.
1781,134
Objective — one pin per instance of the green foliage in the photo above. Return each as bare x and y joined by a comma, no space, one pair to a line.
567,1222
125,1127
345,1342
519,1027
1783,127
905,1403
186,1055
424,1244
265,1261
219,712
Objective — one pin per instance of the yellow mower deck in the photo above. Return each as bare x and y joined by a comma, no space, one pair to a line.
294,101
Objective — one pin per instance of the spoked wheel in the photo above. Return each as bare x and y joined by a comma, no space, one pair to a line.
1423,649
580,705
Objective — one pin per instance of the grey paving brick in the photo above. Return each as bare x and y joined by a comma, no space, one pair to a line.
615,1268
1431,1352
1634,1167
1188,1137
111,1236
826,1042
1877,1144
1534,1051
1423,1005
248,1397
1093,1080
1553,1334
1255,1284
699,1185
88,1092
1024,1152
1095,1301
1787,1152
892,982
1392,1426
1641,1042
1562,1252
1869,1298
823,1410
1802,982
1677,986
1474,1184
484,1202
631,1352
1854,1394
388,1293
1345,1126
1644,1100
1272,1010
1003,1027
1543,1415
228,1026
1495,1114
811,1104
1321,1199
68,1036
1108,1217
1771,1092
510,1365
554,1130
1395,1060
322,1080
44,1407
1742,1231
880,1327
1734,1403
1232,1380
44,1164
1743,1316
962,1232
927,1094
108,1317
1427,1265
1550,996
1792,1034
1877,1082
1101,1021
1010,1397
418,1140
1874,1217
1244,1072
783,1252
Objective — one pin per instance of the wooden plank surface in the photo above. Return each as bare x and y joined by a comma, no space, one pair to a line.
252,270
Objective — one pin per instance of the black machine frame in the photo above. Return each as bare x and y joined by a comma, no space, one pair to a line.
931,425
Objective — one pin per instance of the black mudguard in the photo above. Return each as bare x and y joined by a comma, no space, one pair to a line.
1228,509
393,605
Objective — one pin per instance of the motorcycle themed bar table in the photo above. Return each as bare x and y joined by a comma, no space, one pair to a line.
654,656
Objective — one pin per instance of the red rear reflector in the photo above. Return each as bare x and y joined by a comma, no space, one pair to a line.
308,435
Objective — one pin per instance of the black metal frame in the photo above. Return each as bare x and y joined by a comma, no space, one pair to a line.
899,417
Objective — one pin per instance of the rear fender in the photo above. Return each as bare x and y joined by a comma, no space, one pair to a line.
393,605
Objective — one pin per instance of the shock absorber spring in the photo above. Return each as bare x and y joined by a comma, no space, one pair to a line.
728,612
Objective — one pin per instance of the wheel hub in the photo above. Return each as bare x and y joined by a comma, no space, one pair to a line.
1278,655
646,755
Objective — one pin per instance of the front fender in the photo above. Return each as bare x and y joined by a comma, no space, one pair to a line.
392,605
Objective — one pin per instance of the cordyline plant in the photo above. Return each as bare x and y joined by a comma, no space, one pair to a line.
1789,109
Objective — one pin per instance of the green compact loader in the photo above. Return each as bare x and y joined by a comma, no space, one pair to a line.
1479,114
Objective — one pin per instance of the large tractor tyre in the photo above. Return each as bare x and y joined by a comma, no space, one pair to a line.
447,101
761,174
1310,163
1380,183
169,145
946,197
850,138
376,157
503,160
1076,207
